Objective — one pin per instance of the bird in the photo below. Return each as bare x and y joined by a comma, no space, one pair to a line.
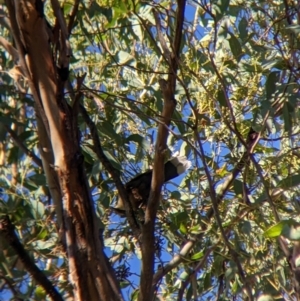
139,187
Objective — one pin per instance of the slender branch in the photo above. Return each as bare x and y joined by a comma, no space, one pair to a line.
7,230
160,36
65,48
149,32
168,91
73,16
21,145
174,262
10,49
287,12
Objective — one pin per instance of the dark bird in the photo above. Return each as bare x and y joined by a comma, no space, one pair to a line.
139,187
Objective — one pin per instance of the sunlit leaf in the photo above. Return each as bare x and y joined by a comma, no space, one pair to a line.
276,230
197,256
265,297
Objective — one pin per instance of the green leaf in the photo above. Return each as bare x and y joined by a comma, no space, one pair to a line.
88,153
107,12
136,28
277,63
271,84
37,209
43,233
135,295
140,140
291,231
289,182
9,120
287,118
175,195
131,79
184,275
124,284
112,160
243,28
195,229
123,57
276,230
235,286
145,12
221,98
197,255
293,28
220,8
207,281
246,227
39,293
37,179
45,244
108,130
178,219
180,125
235,47
183,229
238,187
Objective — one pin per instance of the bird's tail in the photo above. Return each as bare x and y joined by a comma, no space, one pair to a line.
181,163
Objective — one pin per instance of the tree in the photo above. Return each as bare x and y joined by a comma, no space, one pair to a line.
96,92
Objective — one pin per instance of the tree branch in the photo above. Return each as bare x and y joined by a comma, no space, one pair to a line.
10,49
168,91
7,230
21,145
174,262
73,16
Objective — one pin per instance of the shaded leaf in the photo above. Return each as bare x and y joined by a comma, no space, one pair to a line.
290,181
271,84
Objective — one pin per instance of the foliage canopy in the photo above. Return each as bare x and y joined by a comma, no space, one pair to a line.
229,228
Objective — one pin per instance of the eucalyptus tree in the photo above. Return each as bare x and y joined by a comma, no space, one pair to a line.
94,93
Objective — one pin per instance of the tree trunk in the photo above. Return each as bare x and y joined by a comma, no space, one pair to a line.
90,273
